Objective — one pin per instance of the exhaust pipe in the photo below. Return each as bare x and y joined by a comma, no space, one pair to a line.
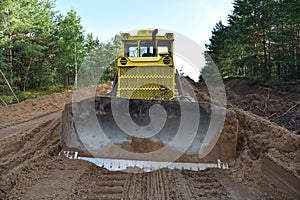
154,32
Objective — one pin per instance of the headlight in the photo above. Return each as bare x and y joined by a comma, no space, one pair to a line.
126,36
169,35
123,61
166,60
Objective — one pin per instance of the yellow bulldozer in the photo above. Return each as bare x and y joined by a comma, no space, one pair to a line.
147,121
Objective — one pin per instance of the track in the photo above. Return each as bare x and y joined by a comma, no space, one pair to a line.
20,150
22,125
163,184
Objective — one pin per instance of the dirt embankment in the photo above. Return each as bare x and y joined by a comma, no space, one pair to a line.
258,139
29,109
273,124
279,103
258,136
261,137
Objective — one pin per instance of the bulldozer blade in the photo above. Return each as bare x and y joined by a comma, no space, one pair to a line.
145,130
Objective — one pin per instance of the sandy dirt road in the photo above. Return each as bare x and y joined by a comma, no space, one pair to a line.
30,167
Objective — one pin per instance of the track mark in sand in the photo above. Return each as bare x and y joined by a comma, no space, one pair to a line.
153,185
98,183
182,189
204,184
218,184
167,184
118,185
110,185
19,147
133,188
33,145
49,179
24,125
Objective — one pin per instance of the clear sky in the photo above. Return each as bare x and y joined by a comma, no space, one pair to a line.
194,19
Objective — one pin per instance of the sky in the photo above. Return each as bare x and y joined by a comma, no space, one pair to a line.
194,19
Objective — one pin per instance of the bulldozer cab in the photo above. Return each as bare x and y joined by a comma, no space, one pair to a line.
146,69
147,44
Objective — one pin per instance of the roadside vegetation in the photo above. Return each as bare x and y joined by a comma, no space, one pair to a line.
261,42
41,49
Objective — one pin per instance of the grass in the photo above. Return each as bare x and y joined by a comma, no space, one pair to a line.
32,94
290,98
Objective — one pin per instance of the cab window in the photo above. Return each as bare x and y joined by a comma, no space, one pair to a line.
131,48
164,46
146,49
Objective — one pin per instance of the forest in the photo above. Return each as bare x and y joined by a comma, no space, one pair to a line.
261,41
42,49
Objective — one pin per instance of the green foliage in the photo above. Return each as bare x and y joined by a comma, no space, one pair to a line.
26,29
70,47
261,41
209,72
291,98
41,48
100,64
34,93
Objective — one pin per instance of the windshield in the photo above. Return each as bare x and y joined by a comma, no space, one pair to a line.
131,48
164,46
146,48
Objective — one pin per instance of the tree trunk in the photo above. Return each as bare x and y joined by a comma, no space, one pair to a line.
66,81
298,55
265,64
283,55
10,53
7,83
269,60
76,68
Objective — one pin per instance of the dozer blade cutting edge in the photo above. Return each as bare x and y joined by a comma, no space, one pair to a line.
142,166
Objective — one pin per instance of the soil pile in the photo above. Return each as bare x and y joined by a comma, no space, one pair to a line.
280,103
260,137
11,114
256,109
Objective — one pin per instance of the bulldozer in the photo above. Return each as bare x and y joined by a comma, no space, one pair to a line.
147,121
